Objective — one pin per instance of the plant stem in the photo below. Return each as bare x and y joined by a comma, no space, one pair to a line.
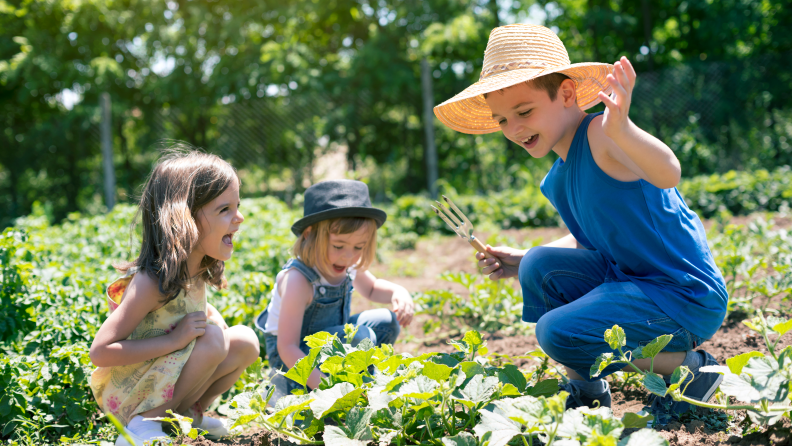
729,407
302,440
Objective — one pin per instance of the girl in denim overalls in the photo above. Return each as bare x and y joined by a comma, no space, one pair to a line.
336,243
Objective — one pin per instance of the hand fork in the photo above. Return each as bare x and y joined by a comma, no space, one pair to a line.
460,224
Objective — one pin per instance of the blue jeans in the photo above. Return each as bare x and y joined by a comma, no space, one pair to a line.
573,298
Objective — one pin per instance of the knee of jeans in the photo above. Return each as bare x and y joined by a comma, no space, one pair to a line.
363,333
552,337
530,271
394,329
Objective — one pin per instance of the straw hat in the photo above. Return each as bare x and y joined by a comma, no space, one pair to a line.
515,54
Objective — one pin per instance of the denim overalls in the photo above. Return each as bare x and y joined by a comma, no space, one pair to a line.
328,311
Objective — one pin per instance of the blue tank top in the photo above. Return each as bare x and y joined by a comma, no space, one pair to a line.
648,235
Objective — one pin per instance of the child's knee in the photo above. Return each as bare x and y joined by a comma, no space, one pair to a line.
552,337
530,271
393,330
213,346
245,344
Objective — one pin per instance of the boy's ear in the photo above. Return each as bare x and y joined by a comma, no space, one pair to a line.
567,92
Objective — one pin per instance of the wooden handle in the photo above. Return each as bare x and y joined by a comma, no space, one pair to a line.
479,247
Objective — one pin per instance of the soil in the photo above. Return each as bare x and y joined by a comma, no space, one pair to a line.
418,270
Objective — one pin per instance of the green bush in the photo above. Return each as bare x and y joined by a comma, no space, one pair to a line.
738,193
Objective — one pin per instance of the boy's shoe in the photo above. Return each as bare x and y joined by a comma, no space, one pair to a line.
577,398
214,428
147,434
701,387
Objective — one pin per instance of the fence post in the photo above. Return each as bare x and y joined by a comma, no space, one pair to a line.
107,152
431,151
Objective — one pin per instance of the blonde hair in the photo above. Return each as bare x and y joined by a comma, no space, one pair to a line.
183,181
312,245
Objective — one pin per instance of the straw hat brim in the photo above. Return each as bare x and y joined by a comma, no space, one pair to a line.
468,112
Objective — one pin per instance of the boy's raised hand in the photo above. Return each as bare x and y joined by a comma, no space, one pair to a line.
504,263
617,104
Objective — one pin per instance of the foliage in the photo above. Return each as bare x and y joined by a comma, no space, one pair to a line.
348,73
436,398
739,193
490,306
762,382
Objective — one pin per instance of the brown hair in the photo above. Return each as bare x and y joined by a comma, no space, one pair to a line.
183,181
312,245
550,83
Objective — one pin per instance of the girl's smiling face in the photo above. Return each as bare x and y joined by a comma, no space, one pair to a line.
217,223
528,117
344,250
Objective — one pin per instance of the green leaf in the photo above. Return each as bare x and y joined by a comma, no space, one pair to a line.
525,410
615,337
510,374
678,378
288,405
379,398
644,437
603,361
473,339
637,354
479,389
437,372
656,346
501,428
782,327
654,383
463,439
303,368
471,369
766,378
357,423
548,387
341,396
635,421
335,436
509,390
245,420
332,365
319,339
737,363
358,361
421,387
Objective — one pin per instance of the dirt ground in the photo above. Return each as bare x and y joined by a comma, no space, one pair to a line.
418,270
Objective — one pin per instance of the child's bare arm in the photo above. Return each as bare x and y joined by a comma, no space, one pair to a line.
386,292
296,295
110,347
644,155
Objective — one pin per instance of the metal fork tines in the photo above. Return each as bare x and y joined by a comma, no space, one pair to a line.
458,222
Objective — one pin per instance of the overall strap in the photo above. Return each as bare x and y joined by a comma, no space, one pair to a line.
309,273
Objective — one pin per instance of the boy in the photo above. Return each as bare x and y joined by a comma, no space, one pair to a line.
642,259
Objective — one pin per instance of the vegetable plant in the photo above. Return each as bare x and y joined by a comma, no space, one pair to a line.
370,394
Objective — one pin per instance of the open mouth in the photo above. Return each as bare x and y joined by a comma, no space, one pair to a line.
529,143
339,269
228,239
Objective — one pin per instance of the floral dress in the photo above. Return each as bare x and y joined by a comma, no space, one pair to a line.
126,391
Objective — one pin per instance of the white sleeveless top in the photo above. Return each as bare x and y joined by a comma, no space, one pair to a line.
273,309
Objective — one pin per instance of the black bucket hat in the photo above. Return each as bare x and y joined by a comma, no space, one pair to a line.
334,199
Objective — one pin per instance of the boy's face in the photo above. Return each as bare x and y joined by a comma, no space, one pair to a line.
530,119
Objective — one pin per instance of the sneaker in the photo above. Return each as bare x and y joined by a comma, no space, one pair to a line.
700,387
577,398
214,428
149,434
